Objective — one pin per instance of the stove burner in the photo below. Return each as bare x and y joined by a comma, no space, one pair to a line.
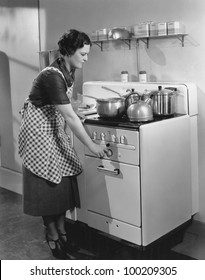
126,119
124,122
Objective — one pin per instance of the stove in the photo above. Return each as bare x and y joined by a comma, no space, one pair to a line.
147,185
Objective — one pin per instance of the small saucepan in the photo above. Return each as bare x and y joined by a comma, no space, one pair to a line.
109,107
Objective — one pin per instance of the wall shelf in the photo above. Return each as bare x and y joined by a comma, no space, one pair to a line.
145,40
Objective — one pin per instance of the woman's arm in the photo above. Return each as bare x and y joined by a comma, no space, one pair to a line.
77,128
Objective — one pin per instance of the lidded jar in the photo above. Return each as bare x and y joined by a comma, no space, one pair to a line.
124,76
142,76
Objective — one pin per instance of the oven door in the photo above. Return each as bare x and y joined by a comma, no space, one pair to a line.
113,190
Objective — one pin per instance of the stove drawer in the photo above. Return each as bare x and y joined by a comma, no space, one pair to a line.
113,189
114,227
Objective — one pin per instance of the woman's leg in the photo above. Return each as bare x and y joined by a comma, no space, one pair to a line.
60,223
69,245
52,237
51,230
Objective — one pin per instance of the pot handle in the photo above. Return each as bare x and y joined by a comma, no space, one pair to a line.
109,89
85,95
171,88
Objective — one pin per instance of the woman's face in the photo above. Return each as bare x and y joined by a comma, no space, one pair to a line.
78,58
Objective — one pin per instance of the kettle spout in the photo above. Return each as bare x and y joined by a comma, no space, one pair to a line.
149,101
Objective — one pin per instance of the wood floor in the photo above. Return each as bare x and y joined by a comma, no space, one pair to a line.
22,238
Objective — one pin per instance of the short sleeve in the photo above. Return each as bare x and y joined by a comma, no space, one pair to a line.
55,88
49,88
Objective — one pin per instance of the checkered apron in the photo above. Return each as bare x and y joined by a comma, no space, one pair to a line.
44,147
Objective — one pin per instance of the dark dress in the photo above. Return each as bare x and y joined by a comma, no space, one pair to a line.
42,197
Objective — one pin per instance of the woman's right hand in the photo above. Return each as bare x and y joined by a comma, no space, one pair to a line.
98,150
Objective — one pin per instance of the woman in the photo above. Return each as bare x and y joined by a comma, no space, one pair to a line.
50,164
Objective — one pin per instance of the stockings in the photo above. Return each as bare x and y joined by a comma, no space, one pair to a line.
55,225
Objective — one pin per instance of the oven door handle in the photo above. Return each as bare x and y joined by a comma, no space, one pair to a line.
101,168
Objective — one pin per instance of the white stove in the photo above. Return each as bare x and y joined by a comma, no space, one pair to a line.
148,184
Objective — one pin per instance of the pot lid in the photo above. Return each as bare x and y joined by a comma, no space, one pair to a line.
165,91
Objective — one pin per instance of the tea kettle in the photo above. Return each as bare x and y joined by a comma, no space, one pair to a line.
137,109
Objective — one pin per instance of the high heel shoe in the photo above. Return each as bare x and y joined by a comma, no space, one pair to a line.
69,245
57,248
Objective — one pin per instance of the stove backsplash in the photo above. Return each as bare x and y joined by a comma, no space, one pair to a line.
186,96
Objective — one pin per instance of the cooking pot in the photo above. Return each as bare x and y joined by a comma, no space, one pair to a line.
164,101
137,109
109,107
118,33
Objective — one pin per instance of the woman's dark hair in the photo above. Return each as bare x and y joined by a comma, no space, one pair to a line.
73,40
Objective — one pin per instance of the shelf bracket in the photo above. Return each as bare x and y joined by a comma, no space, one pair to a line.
181,38
127,42
99,44
145,41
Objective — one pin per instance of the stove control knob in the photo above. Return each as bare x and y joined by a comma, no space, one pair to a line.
114,138
109,153
94,135
102,136
122,139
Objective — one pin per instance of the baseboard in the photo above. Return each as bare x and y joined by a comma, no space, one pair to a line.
11,180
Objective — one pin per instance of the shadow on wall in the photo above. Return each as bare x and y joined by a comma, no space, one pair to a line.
157,56
6,118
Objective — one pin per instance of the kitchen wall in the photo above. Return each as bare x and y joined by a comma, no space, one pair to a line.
165,60
19,45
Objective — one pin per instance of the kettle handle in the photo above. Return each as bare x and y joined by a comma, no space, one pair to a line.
126,99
